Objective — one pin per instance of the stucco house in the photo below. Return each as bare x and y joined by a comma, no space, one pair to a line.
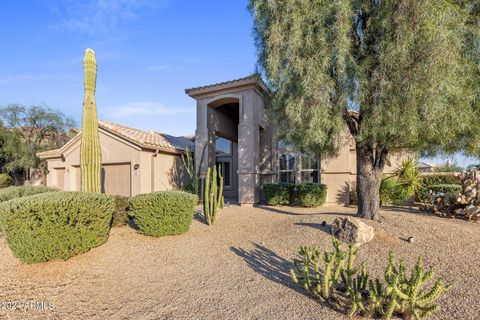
134,161
232,130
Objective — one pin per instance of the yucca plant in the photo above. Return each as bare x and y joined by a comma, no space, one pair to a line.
408,176
90,152
213,200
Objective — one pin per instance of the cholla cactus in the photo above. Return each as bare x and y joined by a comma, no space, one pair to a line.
90,153
213,199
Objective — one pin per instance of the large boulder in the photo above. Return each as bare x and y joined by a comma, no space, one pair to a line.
352,231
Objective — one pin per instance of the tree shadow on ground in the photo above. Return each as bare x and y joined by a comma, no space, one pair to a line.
269,265
290,213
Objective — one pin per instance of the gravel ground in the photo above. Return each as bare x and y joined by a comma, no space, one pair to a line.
237,269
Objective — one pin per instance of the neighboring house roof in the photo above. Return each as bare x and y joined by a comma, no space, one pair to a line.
253,79
148,140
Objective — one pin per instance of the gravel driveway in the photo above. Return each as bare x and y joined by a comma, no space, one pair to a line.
237,269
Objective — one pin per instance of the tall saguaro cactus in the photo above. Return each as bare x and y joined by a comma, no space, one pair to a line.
90,153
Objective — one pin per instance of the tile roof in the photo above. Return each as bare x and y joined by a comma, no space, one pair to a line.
149,140
251,79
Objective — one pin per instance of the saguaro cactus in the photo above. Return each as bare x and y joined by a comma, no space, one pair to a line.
90,154
213,194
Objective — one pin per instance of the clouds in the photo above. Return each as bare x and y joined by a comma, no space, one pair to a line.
99,18
144,108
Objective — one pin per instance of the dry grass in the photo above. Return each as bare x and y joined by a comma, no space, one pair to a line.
237,269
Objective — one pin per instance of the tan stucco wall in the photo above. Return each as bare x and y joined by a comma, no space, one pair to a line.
118,150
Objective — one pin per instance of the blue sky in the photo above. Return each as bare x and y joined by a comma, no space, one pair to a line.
148,52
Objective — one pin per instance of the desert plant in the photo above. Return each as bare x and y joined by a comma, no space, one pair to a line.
90,152
277,194
213,200
349,289
10,193
408,176
445,188
120,217
188,159
56,225
311,194
162,213
5,180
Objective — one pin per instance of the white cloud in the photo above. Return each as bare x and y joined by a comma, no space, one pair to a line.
144,108
99,18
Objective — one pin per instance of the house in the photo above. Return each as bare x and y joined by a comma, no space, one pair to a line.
425,167
133,161
232,130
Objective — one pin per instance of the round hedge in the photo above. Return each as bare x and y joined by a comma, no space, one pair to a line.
162,213
277,194
56,225
311,194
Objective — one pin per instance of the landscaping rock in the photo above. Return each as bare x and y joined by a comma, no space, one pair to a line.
352,231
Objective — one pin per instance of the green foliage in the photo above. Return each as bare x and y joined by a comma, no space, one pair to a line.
392,192
422,193
5,180
23,191
277,194
332,277
449,167
90,152
120,217
213,200
311,194
25,131
408,176
56,225
446,188
162,213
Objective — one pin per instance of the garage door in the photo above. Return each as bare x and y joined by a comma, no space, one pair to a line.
116,179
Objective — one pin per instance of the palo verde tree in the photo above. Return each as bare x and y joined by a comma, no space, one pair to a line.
90,153
399,74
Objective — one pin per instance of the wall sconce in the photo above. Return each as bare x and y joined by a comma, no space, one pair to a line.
136,166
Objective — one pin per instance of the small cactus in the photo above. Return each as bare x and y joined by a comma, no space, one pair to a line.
90,152
213,200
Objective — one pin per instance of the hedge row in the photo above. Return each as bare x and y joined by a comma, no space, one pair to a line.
59,225
23,191
307,194
422,193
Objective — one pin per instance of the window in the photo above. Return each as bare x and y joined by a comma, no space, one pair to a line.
223,147
226,169
310,166
286,167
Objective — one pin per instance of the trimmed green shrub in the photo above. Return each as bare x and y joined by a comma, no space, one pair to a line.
392,192
23,191
446,188
430,180
162,213
5,180
120,217
311,194
56,225
277,194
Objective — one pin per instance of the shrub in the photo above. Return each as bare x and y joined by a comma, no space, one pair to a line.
392,192
422,193
445,188
162,213
18,192
120,217
350,288
57,225
5,180
311,194
277,194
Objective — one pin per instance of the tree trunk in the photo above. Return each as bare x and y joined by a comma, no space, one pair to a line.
370,165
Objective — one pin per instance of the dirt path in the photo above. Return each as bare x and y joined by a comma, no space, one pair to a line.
237,269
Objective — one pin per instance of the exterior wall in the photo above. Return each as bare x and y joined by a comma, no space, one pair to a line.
168,172
149,170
